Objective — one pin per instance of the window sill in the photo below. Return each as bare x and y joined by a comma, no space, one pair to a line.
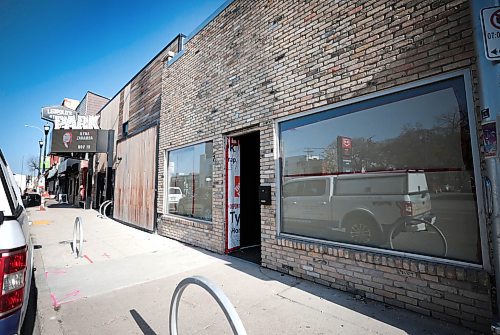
169,218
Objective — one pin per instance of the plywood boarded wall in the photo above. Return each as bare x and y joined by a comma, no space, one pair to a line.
135,179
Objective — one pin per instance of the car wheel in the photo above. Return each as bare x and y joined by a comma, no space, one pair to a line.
181,209
207,213
363,231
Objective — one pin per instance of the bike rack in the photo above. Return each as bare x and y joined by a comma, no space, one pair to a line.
102,209
403,224
216,293
78,231
105,208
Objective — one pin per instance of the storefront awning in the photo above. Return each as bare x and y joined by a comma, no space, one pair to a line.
52,173
67,164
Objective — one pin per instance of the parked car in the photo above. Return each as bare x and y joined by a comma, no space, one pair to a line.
365,206
174,195
16,254
31,199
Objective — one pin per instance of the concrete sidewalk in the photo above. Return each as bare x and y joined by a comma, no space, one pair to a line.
125,281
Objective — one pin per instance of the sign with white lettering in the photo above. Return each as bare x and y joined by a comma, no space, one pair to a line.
66,118
80,140
232,194
74,140
490,18
50,112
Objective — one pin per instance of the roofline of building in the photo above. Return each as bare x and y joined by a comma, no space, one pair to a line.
100,96
181,50
180,35
199,28
209,19
87,93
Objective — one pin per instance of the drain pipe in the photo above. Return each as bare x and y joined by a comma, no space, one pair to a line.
489,88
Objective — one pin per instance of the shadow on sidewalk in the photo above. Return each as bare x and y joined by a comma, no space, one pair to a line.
141,323
58,205
387,314
30,325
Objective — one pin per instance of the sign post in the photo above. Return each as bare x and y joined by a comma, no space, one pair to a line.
486,24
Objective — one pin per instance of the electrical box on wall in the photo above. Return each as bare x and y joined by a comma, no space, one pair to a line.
265,195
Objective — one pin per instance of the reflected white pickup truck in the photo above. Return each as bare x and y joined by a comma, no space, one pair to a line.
365,205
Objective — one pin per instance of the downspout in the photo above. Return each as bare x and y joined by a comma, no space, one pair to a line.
489,99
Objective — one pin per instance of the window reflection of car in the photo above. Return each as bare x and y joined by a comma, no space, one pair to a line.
31,199
365,206
174,195
199,206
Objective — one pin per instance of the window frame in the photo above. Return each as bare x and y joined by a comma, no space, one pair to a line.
125,131
166,181
465,76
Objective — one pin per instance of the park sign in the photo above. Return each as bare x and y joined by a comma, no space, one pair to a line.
66,141
67,118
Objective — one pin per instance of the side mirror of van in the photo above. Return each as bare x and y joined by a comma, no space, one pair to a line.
2,217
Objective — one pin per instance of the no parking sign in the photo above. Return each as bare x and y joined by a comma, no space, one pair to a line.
490,18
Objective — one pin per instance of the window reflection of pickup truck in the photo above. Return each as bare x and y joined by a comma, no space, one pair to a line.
365,206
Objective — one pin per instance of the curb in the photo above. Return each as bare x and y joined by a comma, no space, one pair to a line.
48,320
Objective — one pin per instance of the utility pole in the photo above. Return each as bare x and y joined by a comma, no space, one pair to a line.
40,159
489,86
46,130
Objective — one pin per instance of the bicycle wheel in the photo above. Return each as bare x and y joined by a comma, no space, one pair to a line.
419,236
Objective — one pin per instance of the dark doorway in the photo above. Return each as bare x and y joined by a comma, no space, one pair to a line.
250,224
101,181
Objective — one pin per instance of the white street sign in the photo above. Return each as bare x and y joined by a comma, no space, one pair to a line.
490,18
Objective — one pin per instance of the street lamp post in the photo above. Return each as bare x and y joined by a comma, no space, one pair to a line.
40,157
46,129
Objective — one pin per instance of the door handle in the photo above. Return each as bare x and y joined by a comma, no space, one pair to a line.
324,203
294,202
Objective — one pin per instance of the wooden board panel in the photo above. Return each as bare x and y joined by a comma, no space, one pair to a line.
134,198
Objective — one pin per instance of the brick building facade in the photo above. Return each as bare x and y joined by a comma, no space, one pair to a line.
260,70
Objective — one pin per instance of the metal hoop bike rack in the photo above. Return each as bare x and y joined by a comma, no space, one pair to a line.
102,209
78,234
418,225
216,293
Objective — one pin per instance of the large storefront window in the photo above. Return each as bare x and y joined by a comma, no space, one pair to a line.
189,191
393,172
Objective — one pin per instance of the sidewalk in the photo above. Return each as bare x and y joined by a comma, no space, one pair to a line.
125,281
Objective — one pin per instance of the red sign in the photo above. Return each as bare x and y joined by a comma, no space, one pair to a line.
495,19
236,186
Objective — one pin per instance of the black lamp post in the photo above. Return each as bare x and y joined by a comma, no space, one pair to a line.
40,161
46,130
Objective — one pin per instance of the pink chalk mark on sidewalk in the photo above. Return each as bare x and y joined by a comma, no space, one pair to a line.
88,258
106,255
56,303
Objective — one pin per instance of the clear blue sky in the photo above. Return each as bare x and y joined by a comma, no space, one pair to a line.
53,49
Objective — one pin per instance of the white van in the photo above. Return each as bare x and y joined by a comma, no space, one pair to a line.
365,206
